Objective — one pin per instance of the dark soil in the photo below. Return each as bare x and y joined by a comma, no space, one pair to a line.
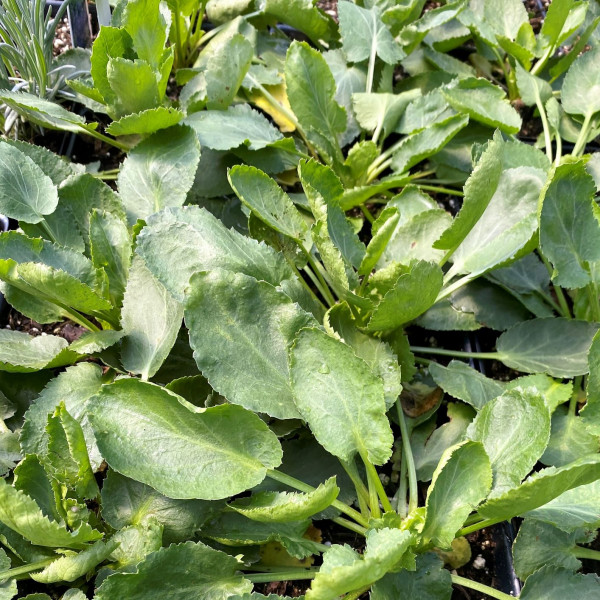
62,41
66,329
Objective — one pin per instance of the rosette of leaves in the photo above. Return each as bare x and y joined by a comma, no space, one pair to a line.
72,257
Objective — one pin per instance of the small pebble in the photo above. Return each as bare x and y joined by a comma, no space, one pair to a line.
479,562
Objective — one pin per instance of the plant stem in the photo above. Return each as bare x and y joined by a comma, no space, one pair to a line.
24,569
373,496
367,213
441,190
545,125
562,301
400,497
447,291
303,282
477,526
304,487
361,489
455,353
291,574
325,288
558,150
372,473
480,587
106,139
356,594
550,300
539,65
407,457
583,135
588,553
575,395
80,319
371,67
351,525
592,292
315,281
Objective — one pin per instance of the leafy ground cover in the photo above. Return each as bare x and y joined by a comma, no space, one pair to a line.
259,291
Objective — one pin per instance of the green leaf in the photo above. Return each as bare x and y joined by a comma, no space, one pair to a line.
533,89
590,414
194,240
50,285
578,507
579,93
429,444
233,529
411,295
281,507
238,125
552,583
145,23
541,488
311,92
110,43
45,113
344,570
506,225
460,482
415,234
70,568
159,172
213,578
26,193
569,231
429,582
226,66
22,514
150,319
465,383
539,544
135,543
127,502
424,111
110,249
303,15
134,85
418,146
569,439
74,387
268,201
145,122
22,353
54,166
35,480
67,456
479,190
514,429
79,195
339,397
244,358
180,453
483,102
8,588
382,231
375,352
364,35
381,112
556,346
